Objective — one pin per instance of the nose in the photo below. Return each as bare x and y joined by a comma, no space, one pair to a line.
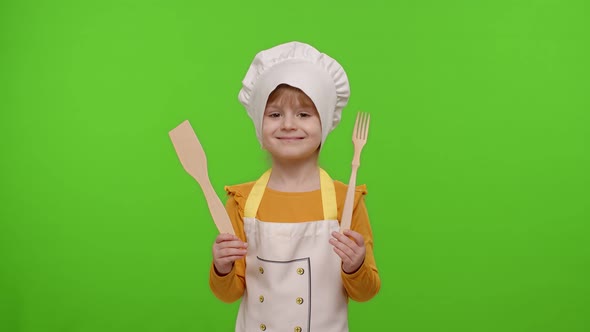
288,122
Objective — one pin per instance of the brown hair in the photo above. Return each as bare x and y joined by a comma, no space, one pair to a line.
285,93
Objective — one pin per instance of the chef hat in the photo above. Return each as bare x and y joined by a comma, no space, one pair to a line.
301,66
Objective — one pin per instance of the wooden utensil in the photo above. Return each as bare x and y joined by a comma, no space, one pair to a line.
359,138
193,159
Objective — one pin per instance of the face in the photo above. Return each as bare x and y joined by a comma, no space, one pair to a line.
291,131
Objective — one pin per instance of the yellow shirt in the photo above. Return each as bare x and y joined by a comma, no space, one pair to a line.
291,207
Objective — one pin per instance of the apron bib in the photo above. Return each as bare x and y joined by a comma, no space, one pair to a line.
293,280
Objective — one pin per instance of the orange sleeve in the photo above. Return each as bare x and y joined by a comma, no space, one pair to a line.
365,283
230,287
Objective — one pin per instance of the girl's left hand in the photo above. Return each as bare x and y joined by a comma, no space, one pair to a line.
350,246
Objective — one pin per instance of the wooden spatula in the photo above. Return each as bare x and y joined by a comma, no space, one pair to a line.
193,159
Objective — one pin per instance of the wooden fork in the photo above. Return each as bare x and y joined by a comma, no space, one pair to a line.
359,138
193,159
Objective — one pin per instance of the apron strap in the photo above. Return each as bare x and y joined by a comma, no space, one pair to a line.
328,196
329,204
255,195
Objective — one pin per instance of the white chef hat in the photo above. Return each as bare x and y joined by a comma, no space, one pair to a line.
301,66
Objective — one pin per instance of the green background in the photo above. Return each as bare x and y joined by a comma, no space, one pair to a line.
476,165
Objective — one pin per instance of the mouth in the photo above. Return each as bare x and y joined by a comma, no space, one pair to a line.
290,138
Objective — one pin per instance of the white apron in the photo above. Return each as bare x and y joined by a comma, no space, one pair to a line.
293,280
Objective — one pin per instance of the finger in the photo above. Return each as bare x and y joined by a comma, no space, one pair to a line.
350,243
225,237
231,244
356,236
349,264
343,256
347,252
343,239
229,252
231,259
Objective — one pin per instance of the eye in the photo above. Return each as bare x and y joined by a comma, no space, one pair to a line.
304,115
273,114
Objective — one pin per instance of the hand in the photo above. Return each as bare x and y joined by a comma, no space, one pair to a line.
350,246
226,250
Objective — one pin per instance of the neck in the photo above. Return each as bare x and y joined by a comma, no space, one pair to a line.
295,176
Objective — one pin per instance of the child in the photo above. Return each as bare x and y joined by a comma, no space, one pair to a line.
289,263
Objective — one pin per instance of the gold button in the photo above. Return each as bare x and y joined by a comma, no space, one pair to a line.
299,300
263,327
298,329
261,298
300,271
261,270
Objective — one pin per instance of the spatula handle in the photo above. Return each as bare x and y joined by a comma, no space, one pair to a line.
216,208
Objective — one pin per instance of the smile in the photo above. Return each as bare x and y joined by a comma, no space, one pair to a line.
290,138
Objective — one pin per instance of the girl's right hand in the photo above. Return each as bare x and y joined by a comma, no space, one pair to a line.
226,250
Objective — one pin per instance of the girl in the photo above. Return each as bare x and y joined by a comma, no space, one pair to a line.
290,265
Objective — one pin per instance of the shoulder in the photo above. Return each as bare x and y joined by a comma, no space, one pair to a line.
359,192
239,192
341,188
239,189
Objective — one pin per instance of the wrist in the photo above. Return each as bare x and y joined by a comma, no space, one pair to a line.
223,270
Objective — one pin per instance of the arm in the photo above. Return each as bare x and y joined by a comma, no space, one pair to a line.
229,287
364,283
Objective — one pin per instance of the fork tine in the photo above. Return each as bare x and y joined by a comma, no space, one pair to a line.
368,119
356,124
360,130
362,127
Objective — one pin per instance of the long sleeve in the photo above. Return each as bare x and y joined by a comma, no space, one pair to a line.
230,287
365,283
